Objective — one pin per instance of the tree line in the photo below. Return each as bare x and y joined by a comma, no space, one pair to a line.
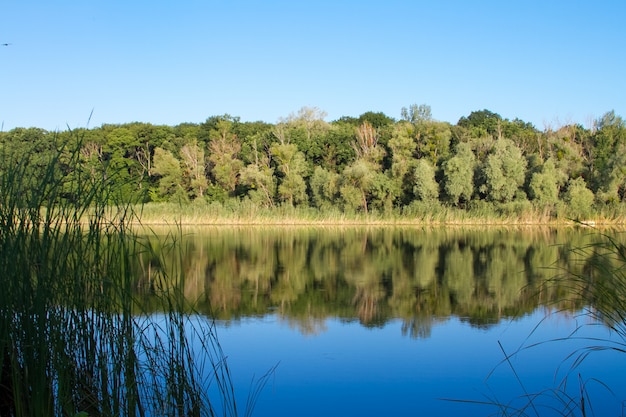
367,164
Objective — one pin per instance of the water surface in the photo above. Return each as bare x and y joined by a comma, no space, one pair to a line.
393,321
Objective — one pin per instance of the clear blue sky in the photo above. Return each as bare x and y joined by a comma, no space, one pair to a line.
168,62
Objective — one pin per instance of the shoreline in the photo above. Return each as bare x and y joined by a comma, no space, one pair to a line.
291,222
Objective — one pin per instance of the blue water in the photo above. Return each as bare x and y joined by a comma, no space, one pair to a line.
341,368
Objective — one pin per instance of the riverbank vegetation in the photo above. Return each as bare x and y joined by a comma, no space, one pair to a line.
370,168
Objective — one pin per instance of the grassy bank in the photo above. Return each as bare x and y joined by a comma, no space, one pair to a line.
243,213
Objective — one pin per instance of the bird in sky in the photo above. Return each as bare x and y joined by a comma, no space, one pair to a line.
5,44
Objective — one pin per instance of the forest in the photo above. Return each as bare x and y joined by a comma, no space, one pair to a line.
368,165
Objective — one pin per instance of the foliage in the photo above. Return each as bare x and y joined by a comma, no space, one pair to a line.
579,199
503,172
425,187
168,168
292,165
324,188
224,159
416,114
483,122
483,160
358,182
459,175
544,187
609,140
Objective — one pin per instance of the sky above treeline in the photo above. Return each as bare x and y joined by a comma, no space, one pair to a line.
87,63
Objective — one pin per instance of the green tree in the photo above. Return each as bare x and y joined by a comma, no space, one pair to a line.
357,184
504,172
311,119
291,163
524,135
544,185
216,124
167,168
425,186
324,188
259,177
613,188
433,140
579,199
292,189
609,169
571,149
308,130
363,180
337,151
366,144
416,114
125,173
402,148
376,119
483,122
609,134
91,158
458,175
385,192
224,147
146,138
192,157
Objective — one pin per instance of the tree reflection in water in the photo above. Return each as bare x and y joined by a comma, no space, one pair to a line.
375,275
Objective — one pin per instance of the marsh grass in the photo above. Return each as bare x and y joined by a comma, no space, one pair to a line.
74,340
244,212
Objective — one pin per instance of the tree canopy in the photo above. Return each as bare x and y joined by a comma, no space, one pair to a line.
372,162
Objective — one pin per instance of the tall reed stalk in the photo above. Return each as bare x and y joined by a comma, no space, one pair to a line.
74,341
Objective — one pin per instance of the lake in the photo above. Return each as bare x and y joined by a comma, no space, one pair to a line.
402,321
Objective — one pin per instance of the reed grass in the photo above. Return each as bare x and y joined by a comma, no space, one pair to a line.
74,340
247,213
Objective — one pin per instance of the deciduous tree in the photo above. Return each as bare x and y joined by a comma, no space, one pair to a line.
416,113
324,188
192,156
167,167
458,174
291,163
357,184
579,198
544,185
402,146
224,147
259,177
425,187
504,172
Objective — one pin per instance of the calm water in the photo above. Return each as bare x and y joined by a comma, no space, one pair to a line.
398,322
